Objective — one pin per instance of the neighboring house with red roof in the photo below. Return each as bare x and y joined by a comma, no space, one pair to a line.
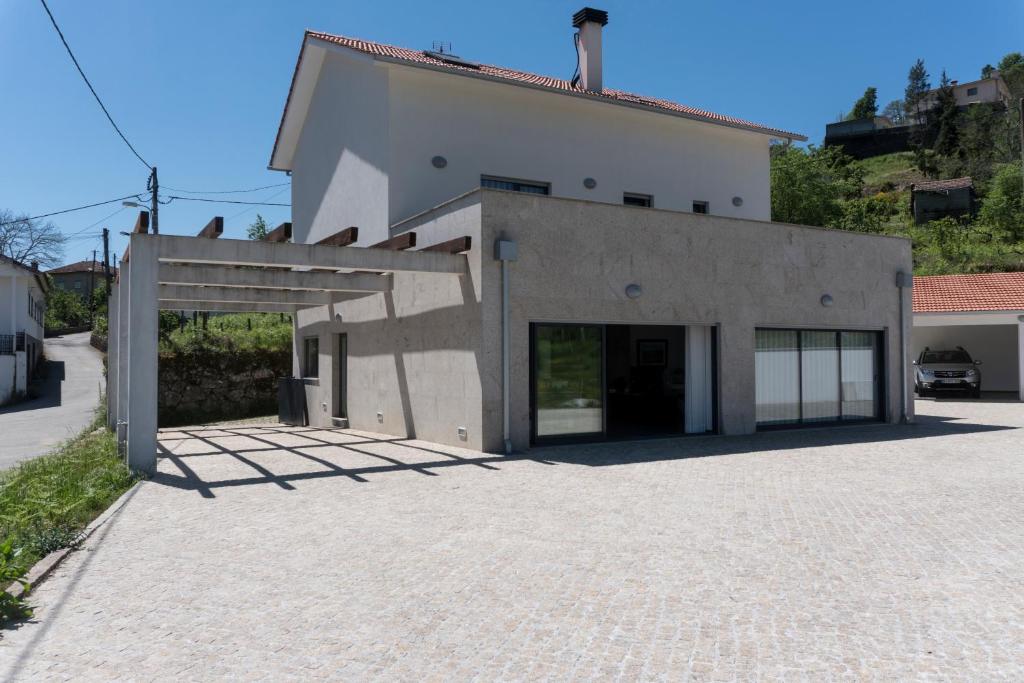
983,313
933,199
82,277
622,276
22,309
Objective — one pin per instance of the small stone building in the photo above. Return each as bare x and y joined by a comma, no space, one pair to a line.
933,199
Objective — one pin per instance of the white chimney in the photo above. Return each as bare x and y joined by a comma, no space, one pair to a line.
590,21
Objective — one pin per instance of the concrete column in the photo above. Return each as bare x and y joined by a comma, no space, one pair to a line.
14,304
113,334
123,345
142,353
1020,357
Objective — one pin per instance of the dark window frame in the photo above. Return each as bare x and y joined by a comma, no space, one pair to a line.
515,184
311,362
702,207
881,372
638,199
971,92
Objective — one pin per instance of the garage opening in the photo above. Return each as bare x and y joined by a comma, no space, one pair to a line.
593,382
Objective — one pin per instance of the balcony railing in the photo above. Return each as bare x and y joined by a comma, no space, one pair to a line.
6,344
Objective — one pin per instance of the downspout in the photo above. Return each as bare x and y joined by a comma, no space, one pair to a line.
904,281
505,251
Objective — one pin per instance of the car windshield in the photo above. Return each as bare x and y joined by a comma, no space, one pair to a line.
945,357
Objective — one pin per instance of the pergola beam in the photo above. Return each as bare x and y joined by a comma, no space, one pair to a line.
287,255
407,240
141,223
242,295
227,307
213,229
453,246
227,276
342,238
281,233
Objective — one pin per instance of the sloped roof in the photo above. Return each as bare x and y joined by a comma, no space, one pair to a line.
943,185
81,267
964,293
420,58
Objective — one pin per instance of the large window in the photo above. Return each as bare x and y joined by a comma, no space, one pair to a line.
807,376
311,357
513,185
568,379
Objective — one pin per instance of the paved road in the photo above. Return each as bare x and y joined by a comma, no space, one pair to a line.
874,552
70,397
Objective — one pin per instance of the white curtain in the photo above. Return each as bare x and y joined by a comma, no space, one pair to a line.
700,409
777,376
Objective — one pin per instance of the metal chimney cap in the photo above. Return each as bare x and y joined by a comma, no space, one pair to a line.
589,14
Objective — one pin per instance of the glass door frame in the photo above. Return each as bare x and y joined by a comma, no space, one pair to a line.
581,437
881,375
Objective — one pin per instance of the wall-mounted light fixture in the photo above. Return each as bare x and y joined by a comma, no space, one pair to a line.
827,300
634,291
737,201
439,162
589,183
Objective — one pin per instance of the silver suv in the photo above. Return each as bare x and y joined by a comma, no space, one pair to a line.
936,371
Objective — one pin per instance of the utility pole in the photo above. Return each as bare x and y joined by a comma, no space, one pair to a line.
154,187
106,259
92,289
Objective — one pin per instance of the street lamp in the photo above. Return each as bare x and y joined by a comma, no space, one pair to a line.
130,205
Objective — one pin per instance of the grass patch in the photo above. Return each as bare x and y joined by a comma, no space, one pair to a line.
890,171
46,503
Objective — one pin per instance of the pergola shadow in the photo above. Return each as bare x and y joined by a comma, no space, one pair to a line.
328,449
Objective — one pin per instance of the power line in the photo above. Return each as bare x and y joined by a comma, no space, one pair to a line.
91,89
251,208
255,189
224,201
77,208
97,222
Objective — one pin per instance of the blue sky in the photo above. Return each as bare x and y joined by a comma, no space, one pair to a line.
198,85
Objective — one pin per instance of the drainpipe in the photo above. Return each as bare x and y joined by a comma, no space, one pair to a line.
904,281
505,251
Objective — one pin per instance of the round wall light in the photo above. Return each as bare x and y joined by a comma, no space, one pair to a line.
634,291
439,162
737,201
589,183
827,300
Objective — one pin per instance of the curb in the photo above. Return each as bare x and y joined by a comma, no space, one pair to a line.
44,567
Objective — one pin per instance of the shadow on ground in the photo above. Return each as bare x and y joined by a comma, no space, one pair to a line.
47,386
405,455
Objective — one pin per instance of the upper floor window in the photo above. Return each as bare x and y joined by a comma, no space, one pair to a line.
700,207
971,92
529,186
636,199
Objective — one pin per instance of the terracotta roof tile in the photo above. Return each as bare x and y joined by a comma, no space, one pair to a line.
418,57
963,293
80,267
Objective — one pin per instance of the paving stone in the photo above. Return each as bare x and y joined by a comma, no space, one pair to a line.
881,552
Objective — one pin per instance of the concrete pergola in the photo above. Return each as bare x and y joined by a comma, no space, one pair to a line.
208,274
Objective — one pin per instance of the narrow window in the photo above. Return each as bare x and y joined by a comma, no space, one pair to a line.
636,199
512,185
700,207
311,362
971,92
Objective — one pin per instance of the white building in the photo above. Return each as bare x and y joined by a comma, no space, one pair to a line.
22,308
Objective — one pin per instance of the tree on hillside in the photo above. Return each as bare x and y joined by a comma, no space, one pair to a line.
1003,208
258,229
895,111
1011,70
866,107
986,71
918,86
807,185
27,240
946,115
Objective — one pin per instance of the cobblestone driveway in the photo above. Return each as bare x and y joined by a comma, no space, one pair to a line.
868,552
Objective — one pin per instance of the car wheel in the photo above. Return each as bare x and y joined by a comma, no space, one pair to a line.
917,389
976,392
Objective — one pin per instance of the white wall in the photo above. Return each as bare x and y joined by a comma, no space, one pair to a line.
340,166
489,128
364,153
994,345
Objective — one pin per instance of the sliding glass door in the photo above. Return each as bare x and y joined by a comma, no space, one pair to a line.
808,376
568,380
